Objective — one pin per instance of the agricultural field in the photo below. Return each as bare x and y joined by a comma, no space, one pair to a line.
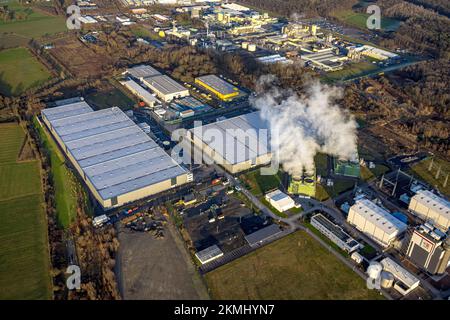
420,170
295,267
20,71
64,181
359,20
30,23
24,255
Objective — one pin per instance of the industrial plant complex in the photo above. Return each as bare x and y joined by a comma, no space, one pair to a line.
176,151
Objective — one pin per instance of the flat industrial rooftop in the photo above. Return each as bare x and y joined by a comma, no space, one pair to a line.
239,139
142,71
218,84
164,84
115,155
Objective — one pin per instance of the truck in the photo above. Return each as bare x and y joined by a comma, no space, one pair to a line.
100,220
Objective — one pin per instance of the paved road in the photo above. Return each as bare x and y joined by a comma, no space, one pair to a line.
294,223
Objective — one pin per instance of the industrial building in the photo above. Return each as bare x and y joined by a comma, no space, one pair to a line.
327,61
143,71
209,254
237,144
118,161
375,222
219,87
262,235
348,168
429,249
279,200
304,184
188,106
430,207
334,233
376,53
140,92
404,281
165,87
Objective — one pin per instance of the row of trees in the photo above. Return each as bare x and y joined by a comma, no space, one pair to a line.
416,97
421,30
290,8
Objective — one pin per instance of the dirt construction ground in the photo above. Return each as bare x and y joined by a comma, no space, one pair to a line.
80,60
152,268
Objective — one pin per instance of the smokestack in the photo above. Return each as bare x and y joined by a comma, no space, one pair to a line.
304,184
301,127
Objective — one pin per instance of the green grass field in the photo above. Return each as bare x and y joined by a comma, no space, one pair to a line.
259,184
295,267
63,179
359,20
420,170
24,256
142,32
339,186
110,98
351,70
35,25
368,174
19,71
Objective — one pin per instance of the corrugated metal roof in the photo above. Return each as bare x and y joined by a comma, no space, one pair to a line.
378,216
143,71
209,253
237,139
218,84
133,86
113,152
68,110
263,234
164,84
434,202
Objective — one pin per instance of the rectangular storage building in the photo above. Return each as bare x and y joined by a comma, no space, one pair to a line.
143,71
430,207
219,87
116,159
140,92
280,201
237,144
335,233
375,222
165,87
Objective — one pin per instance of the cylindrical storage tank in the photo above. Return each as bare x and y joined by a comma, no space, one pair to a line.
244,45
166,145
374,270
252,47
387,280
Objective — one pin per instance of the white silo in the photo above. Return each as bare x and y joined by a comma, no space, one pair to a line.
374,270
387,280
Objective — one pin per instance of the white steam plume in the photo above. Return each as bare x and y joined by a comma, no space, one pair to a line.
303,126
